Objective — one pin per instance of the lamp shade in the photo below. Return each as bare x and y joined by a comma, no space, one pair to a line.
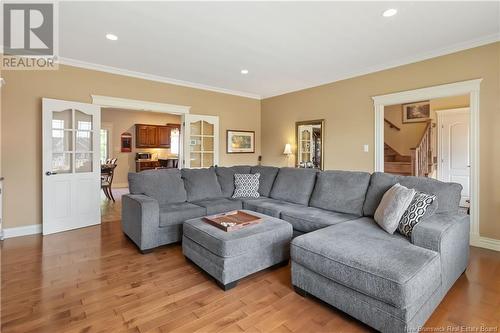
288,149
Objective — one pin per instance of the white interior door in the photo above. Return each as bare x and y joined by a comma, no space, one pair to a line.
454,149
201,141
71,168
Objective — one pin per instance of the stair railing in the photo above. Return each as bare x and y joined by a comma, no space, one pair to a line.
421,155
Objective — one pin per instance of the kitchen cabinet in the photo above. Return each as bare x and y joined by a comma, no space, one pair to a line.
163,136
142,165
153,136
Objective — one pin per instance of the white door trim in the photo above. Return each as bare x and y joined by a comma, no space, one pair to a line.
470,87
138,105
439,116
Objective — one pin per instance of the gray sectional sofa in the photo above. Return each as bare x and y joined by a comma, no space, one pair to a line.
338,253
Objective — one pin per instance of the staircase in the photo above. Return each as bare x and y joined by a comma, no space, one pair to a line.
419,163
396,163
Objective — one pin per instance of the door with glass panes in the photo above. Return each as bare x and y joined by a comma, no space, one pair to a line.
71,168
201,141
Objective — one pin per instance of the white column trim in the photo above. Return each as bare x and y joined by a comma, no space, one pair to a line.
470,87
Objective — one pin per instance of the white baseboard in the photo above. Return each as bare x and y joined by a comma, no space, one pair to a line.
22,231
485,242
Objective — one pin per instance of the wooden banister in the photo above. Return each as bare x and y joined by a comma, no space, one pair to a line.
421,155
391,125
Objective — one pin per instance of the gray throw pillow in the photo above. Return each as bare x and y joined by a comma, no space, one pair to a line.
392,207
420,205
246,185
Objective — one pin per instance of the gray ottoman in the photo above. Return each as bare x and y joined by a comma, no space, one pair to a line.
230,256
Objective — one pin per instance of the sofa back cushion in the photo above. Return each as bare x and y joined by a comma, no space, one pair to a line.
225,175
294,185
447,194
340,191
201,184
164,185
267,176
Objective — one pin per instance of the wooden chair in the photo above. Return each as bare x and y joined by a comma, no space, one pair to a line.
169,163
107,173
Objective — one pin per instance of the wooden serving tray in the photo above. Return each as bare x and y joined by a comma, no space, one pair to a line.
233,220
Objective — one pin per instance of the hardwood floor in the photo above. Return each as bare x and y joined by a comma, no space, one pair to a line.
111,211
94,280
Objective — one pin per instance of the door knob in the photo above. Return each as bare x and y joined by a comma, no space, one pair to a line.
49,173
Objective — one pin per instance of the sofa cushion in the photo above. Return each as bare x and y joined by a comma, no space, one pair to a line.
307,219
447,194
225,176
270,232
294,185
361,256
164,185
201,184
177,213
267,177
340,191
268,206
219,205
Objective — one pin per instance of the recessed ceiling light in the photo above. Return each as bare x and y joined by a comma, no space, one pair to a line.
390,12
244,71
111,37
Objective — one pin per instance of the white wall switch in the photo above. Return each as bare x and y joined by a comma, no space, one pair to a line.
365,148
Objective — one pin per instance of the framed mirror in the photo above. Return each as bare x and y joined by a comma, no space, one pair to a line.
309,136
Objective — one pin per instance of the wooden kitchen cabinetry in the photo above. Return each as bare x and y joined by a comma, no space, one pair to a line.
152,136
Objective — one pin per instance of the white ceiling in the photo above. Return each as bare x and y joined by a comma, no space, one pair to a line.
286,46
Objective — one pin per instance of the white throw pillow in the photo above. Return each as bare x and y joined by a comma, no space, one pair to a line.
392,207
246,185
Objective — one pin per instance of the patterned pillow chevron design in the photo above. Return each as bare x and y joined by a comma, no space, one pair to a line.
246,185
415,212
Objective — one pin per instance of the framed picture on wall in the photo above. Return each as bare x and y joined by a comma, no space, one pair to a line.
416,112
240,141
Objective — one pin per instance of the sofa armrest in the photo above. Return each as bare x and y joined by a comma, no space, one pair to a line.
433,231
448,234
141,219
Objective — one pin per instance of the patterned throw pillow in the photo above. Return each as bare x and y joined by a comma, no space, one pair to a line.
246,185
415,212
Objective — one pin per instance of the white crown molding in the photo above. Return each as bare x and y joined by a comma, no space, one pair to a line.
134,104
404,61
151,77
22,231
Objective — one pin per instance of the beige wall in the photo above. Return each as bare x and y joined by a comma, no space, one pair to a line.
347,108
21,123
123,121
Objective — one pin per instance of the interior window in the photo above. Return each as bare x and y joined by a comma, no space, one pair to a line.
104,145
174,141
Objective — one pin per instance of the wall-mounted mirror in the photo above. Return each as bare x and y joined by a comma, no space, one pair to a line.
309,142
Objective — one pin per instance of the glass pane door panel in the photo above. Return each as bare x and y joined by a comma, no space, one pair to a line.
83,141
208,144
62,119
208,129
62,140
195,160
195,143
208,160
83,162
62,162
196,128
83,121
